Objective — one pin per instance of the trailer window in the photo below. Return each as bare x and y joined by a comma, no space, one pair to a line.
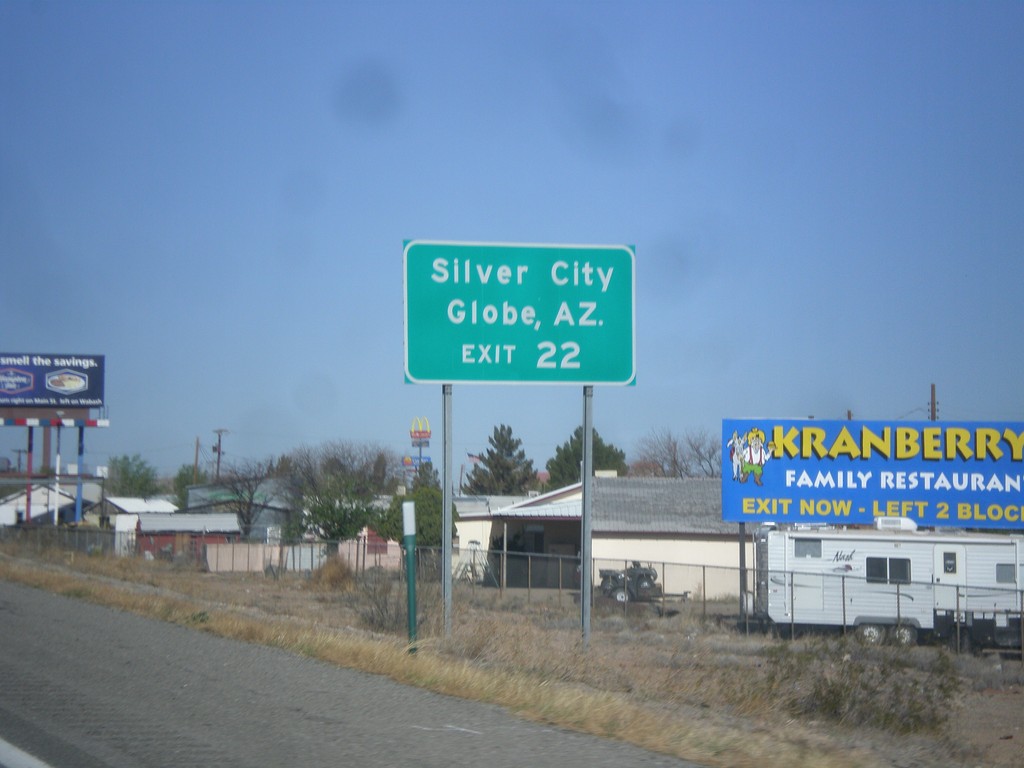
887,570
807,547
877,569
899,570
1004,573
949,562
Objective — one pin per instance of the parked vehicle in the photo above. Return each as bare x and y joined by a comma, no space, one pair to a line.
637,582
895,584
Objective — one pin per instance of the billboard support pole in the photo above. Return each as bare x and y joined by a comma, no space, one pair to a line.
28,479
56,508
81,458
743,571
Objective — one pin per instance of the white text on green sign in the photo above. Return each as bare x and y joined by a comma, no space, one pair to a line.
515,313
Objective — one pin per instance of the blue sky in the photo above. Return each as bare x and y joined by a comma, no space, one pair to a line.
824,199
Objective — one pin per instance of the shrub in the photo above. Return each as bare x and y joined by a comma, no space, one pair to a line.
382,607
334,575
878,687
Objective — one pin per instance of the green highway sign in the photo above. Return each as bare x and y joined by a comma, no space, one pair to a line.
508,313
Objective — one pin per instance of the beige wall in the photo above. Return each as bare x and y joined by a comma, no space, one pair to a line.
683,565
474,530
690,565
356,552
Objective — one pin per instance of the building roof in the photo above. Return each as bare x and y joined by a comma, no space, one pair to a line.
156,522
659,505
635,505
271,494
135,506
472,507
91,492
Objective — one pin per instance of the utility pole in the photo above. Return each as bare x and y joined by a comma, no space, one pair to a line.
218,448
21,452
933,409
195,464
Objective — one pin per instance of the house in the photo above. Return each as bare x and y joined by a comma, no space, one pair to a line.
272,505
674,524
40,502
173,535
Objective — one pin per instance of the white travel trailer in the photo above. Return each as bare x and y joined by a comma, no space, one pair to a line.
892,582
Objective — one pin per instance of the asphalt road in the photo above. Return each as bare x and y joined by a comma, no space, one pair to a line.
83,686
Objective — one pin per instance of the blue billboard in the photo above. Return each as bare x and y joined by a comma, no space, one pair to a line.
938,474
51,381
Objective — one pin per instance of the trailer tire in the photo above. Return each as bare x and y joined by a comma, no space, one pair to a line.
870,634
966,647
904,635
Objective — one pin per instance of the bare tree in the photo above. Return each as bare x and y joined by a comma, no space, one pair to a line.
659,454
703,453
336,483
663,454
244,482
373,469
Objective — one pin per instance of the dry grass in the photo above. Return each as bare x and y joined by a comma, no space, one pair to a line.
680,686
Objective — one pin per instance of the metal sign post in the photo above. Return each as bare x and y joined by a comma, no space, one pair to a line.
446,507
586,556
519,313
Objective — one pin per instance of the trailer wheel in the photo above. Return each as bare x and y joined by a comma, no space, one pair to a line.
870,634
904,635
966,647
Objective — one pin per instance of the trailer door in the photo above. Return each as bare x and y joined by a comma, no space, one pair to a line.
949,575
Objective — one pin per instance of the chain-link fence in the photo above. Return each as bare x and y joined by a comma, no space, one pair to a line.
790,600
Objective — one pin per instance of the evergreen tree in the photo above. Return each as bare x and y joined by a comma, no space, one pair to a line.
503,468
187,475
564,468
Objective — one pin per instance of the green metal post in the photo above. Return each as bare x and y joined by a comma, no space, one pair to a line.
409,541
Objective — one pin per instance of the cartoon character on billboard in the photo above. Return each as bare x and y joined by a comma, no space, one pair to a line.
754,456
736,445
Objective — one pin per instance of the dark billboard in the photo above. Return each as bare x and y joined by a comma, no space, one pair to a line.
51,381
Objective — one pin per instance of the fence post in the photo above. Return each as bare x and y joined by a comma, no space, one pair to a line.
746,591
957,620
663,582
792,608
529,578
899,605
625,586
704,593
843,579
